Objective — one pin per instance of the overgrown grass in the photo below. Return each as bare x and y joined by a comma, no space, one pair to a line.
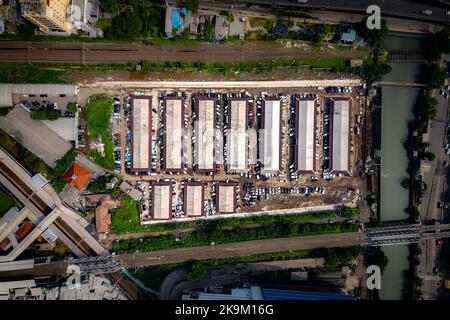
99,110
265,23
337,64
6,202
30,73
219,235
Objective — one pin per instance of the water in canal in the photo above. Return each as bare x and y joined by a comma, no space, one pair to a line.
397,109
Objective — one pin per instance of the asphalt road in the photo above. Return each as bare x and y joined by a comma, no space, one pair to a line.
92,53
397,8
435,180
237,249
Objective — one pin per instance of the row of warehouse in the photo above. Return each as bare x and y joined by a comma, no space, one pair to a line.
192,199
237,131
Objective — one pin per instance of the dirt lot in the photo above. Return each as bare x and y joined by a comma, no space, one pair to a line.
284,73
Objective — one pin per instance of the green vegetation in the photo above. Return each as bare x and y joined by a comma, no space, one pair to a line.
325,30
374,37
152,276
209,34
126,220
219,235
192,5
99,185
376,256
29,160
72,107
439,43
372,70
30,73
337,64
125,26
433,75
45,115
60,169
197,271
6,202
99,109
265,23
143,21
109,6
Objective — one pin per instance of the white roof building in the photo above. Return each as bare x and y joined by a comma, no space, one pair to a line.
340,135
161,200
173,134
193,199
270,137
237,139
204,134
226,197
141,124
305,134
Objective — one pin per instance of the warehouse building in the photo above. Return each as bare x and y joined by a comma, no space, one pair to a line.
173,134
237,140
305,135
161,200
204,134
141,124
226,197
341,114
270,137
194,195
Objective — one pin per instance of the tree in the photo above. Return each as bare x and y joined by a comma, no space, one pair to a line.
439,43
325,29
127,25
372,71
72,107
434,76
430,156
109,5
196,272
374,37
192,5
208,34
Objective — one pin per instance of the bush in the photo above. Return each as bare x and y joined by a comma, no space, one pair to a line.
196,272
192,5
72,107
433,75
126,26
45,115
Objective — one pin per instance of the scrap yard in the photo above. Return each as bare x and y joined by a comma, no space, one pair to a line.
197,153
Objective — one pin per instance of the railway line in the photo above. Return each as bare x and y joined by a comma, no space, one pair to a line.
40,204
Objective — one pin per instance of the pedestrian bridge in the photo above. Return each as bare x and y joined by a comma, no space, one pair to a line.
405,234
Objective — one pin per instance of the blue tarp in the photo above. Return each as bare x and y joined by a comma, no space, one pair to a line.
184,11
176,22
275,294
349,36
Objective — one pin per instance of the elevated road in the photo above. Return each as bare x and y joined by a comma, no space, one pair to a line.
96,53
393,8
48,209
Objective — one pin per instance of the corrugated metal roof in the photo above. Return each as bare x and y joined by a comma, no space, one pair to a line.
341,135
305,135
276,294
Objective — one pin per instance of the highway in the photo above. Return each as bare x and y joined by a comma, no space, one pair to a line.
96,53
394,8
236,249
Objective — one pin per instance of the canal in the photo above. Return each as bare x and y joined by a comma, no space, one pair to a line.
397,111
